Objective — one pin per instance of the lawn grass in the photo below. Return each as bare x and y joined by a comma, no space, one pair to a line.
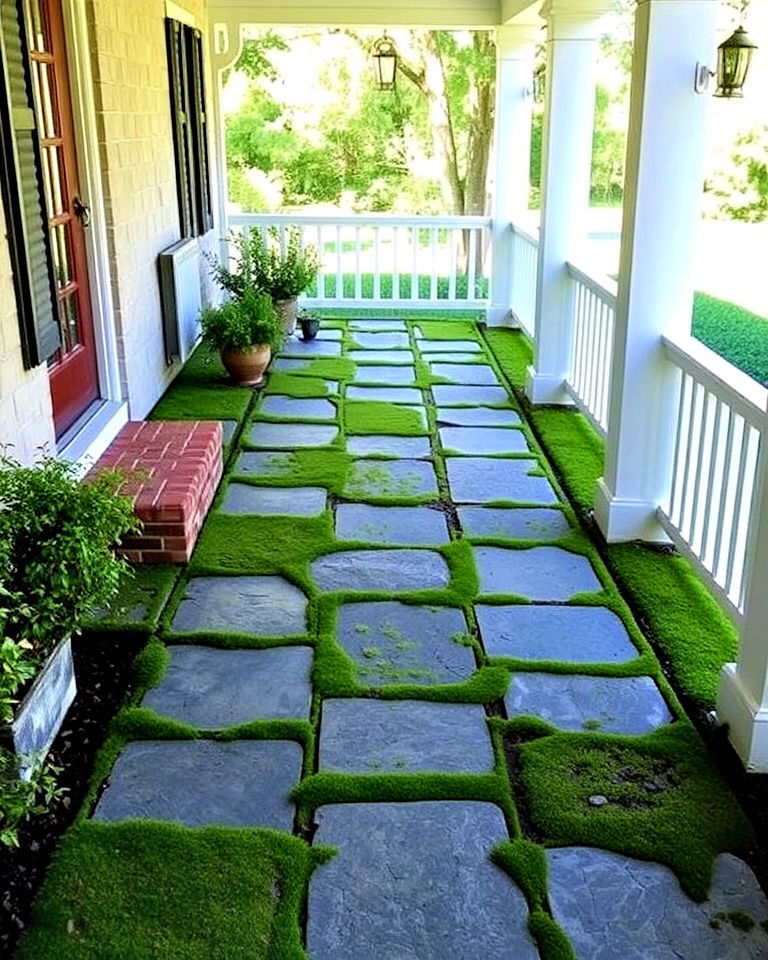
683,620
735,333
371,417
152,891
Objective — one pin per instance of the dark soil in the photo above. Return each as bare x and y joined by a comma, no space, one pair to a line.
102,666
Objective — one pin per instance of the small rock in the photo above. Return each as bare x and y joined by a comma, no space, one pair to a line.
598,800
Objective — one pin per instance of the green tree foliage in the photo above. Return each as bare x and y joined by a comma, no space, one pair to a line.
740,188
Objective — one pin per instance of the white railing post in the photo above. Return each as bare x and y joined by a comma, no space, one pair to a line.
665,152
742,701
566,161
226,44
512,155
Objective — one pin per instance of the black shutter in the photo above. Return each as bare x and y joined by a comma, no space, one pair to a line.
176,76
201,133
23,197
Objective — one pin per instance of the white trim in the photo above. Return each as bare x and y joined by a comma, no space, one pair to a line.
746,719
89,437
175,12
97,248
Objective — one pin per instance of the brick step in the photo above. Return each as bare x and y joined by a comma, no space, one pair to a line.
172,471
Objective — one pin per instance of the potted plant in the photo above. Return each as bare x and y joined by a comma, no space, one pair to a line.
245,331
310,324
56,564
266,262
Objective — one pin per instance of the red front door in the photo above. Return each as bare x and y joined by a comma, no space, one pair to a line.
72,369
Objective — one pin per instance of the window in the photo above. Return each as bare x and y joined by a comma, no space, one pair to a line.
190,130
22,196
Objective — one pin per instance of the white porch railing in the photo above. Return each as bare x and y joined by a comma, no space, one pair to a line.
524,266
380,260
720,440
593,309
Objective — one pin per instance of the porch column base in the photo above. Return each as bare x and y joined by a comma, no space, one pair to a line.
747,721
498,315
545,388
620,520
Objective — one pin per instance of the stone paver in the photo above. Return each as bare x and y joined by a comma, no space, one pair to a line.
244,498
579,702
513,523
228,428
286,436
538,573
264,463
260,606
403,736
213,689
614,906
413,881
311,348
297,408
542,632
378,326
469,358
324,333
448,346
447,395
245,783
391,478
380,570
401,447
477,417
394,642
290,363
486,480
476,374
404,525
381,341
402,395
483,440
387,374
376,357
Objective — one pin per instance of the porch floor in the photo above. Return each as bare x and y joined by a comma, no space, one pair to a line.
396,643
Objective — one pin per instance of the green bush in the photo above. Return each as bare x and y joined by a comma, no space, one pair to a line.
265,265
241,323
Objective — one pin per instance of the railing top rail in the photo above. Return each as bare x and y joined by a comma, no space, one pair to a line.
731,385
356,220
525,234
598,283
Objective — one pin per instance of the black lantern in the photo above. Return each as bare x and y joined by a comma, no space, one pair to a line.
539,84
733,59
385,62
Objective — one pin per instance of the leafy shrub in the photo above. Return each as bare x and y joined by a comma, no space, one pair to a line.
264,265
19,798
241,323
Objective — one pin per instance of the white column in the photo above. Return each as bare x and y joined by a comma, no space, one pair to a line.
566,163
742,701
512,155
662,195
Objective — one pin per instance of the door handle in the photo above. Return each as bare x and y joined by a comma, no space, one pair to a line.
82,212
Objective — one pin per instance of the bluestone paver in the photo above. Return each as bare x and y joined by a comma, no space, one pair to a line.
401,395
400,447
381,570
387,374
537,573
297,408
447,395
403,525
448,346
400,355
380,341
396,479
477,416
483,440
245,498
286,436
476,374
490,479
259,606
513,523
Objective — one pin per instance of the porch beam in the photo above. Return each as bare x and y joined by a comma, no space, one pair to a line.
512,154
438,14
662,194
566,161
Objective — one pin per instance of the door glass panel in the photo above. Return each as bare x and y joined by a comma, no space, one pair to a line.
55,160
48,124
62,259
35,26
71,326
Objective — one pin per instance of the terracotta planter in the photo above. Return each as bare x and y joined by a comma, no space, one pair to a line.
286,311
246,367
38,717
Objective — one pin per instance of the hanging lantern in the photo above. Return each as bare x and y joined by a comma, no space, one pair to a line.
733,59
539,84
384,62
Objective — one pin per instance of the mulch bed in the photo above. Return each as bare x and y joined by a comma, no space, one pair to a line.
102,666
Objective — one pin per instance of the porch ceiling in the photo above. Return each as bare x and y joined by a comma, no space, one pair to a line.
397,13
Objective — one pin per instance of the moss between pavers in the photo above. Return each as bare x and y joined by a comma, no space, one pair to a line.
325,368
185,401
446,329
178,892
372,417
327,467
667,802
680,615
142,596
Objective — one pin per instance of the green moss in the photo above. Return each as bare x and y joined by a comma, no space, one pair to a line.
735,333
291,385
552,942
513,353
369,417
150,665
526,864
135,890
328,368
184,401
304,468
203,367
465,582
446,329
575,449
141,598
654,785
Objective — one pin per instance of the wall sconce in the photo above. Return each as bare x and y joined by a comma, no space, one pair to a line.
385,62
733,59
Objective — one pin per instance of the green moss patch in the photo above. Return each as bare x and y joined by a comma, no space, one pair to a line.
185,401
513,352
143,593
291,385
196,894
735,333
446,329
304,468
666,801
371,417
329,368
